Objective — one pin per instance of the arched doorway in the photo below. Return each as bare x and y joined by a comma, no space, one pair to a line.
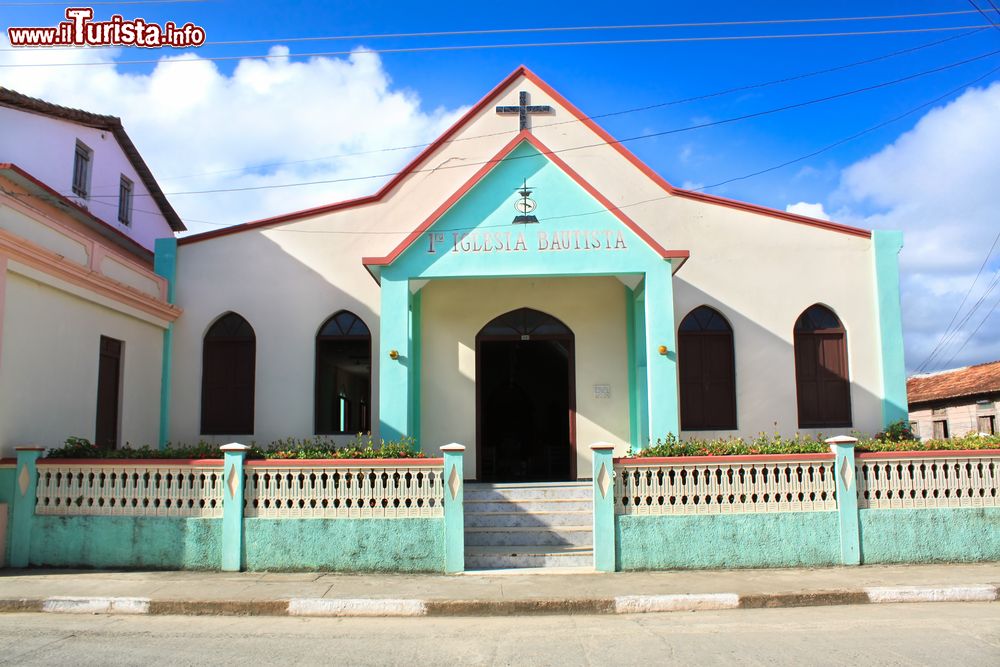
525,399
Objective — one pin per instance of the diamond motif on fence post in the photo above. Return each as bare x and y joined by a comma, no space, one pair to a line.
603,480
846,474
454,483
232,481
23,480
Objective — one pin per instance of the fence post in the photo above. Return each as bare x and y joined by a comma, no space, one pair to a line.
232,506
604,506
454,508
23,512
842,447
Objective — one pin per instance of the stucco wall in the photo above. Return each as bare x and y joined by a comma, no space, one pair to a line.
49,364
119,541
453,312
45,148
781,539
345,545
930,535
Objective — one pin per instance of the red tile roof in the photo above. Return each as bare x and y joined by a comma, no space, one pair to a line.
968,381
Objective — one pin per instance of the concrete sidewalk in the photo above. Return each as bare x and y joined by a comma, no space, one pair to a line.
486,593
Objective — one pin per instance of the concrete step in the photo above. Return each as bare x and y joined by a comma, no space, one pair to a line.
576,536
529,491
530,505
483,558
515,519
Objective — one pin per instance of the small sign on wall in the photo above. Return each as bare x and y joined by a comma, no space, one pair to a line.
602,391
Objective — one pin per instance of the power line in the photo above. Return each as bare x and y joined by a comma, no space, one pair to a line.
985,15
480,47
104,2
947,329
968,316
649,107
724,121
558,29
976,330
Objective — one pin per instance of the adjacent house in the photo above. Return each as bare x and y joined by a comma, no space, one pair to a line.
955,402
83,314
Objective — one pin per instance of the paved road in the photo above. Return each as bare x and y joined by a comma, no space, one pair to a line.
933,634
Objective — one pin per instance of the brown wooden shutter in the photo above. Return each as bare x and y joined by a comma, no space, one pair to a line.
228,378
108,392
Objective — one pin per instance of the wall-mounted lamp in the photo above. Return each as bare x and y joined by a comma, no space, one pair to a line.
393,354
662,349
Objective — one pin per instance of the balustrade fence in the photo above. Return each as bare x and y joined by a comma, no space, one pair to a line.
804,483
272,489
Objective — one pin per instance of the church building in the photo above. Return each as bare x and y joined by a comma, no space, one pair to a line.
527,287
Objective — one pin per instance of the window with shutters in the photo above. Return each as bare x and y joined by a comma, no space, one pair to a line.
228,373
822,384
82,161
707,371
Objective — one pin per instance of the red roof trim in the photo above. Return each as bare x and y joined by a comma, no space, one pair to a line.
123,240
576,112
523,136
384,190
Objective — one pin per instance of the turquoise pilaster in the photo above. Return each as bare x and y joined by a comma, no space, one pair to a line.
842,447
633,414
22,514
604,506
394,373
232,506
661,367
454,508
887,245
165,265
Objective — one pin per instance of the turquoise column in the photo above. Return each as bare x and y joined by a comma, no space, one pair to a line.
416,348
232,506
22,514
842,447
661,353
633,408
887,245
165,265
640,392
454,508
604,506
396,360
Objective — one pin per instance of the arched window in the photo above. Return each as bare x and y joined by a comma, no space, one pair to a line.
821,379
343,375
707,371
227,377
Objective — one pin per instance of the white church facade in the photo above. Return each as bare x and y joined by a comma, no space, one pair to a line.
526,286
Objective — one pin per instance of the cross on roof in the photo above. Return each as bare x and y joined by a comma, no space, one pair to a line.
523,109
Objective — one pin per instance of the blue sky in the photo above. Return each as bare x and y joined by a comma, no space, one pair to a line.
853,183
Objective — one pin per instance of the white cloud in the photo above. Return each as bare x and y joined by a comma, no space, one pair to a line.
201,129
937,183
809,210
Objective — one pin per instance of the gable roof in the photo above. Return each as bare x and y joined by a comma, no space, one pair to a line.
113,124
524,136
967,381
486,101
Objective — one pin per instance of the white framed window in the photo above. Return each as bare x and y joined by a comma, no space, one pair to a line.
125,188
82,163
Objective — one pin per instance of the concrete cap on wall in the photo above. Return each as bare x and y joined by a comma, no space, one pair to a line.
601,446
841,440
453,447
234,447
30,448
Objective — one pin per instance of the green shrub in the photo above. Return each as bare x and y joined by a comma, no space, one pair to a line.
320,447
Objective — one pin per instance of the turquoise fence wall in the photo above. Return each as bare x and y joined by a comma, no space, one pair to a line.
930,535
158,543
345,545
781,539
7,500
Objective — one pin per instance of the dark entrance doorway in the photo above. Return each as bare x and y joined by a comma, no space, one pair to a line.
525,399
